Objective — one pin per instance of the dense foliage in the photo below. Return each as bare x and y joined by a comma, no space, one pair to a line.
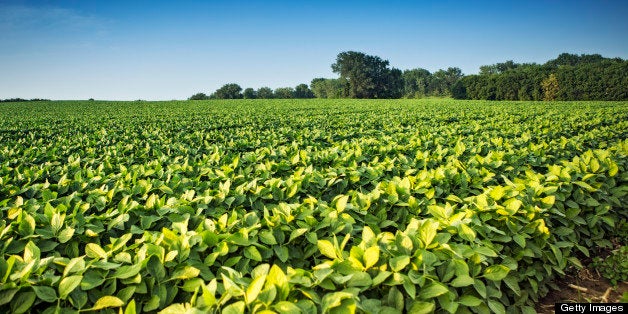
234,91
568,77
199,96
22,100
228,91
368,76
329,206
329,88
420,83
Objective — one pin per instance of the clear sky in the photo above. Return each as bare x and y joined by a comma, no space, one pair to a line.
162,50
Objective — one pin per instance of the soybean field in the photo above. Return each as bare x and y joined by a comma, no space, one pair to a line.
304,206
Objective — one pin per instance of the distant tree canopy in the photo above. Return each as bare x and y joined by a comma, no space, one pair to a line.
234,91
265,93
284,92
498,68
228,91
568,77
368,76
329,88
421,83
22,99
300,91
303,91
416,83
249,93
364,76
199,96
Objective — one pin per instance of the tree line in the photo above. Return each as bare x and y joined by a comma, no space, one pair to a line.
568,77
360,76
234,91
22,99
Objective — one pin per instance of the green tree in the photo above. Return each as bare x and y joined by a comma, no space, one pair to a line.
550,87
391,84
568,77
442,81
265,93
197,96
284,92
459,90
498,68
452,75
318,87
249,93
568,59
438,84
329,88
228,91
367,76
303,91
415,82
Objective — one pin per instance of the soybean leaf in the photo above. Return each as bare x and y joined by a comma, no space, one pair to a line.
371,256
234,308
251,252
496,272
254,288
400,262
23,302
287,308
469,300
462,281
432,290
421,307
496,306
107,302
68,284
130,308
185,272
297,233
94,250
125,272
326,248
7,295
47,294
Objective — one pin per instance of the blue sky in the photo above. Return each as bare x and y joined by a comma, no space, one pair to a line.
161,50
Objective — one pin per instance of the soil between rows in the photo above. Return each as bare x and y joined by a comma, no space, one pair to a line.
583,286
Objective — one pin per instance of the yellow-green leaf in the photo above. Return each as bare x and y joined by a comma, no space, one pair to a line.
94,250
466,232
496,272
432,290
326,248
251,252
549,200
421,307
341,203
107,302
254,288
371,256
75,265
130,308
68,284
497,192
186,272
400,262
